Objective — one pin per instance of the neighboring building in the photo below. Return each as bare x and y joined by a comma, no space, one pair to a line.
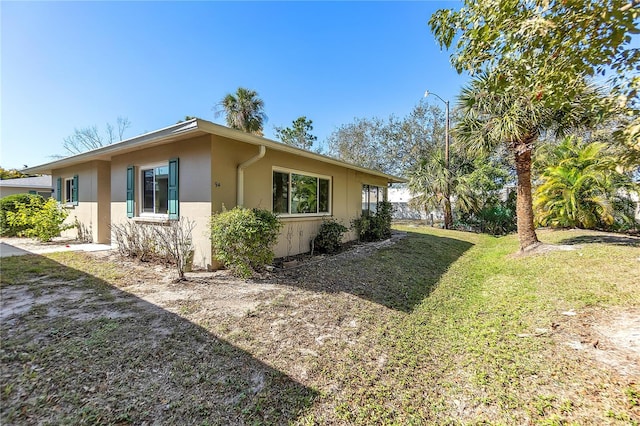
195,168
399,199
30,185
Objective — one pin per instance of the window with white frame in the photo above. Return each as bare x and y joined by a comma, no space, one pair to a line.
300,193
371,196
155,190
68,191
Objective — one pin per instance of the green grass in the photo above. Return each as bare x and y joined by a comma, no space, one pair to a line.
443,327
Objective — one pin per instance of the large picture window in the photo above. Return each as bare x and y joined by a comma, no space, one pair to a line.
297,193
371,196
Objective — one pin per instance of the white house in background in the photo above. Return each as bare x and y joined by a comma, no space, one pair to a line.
41,185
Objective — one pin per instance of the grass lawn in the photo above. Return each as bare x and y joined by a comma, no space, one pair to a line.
442,327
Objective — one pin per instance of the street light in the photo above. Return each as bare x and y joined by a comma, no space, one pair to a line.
448,219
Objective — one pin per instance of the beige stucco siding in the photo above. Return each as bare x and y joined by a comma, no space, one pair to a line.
92,211
194,186
297,232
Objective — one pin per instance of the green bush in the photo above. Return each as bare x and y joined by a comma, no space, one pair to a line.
242,239
496,217
9,204
375,226
329,238
40,221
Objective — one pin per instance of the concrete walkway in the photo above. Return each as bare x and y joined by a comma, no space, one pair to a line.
22,246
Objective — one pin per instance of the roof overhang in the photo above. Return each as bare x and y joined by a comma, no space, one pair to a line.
189,129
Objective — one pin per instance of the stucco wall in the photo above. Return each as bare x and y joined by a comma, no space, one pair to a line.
297,232
194,186
92,211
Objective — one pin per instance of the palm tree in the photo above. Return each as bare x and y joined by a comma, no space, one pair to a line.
498,114
582,188
244,111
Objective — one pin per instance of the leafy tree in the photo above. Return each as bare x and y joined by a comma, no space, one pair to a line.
88,138
392,146
244,111
299,135
186,118
495,118
545,48
359,143
474,181
11,174
581,187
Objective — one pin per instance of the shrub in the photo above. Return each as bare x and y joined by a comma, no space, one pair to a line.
176,243
375,226
329,238
40,221
10,204
496,217
170,243
134,240
242,239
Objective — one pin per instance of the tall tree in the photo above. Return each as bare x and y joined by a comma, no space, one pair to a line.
359,143
88,138
392,146
299,135
243,110
473,180
545,48
493,117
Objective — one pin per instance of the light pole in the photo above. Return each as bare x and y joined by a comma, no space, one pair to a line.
448,218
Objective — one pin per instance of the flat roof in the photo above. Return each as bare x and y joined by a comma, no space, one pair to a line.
28,182
188,129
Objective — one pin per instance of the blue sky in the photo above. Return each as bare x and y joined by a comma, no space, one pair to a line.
69,65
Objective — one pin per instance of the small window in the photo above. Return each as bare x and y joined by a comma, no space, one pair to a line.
371,196
300,194
68,191
155,190
152,190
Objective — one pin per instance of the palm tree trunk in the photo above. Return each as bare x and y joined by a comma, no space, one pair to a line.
448,217
524,203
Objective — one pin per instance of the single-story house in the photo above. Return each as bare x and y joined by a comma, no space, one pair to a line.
40,185
196,168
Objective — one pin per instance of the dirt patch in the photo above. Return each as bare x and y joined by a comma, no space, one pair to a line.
541,248
610,337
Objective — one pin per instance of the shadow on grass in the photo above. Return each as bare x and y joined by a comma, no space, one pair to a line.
616,240
77,350
398,277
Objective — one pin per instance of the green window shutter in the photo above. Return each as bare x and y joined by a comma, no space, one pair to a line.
74,195
33,192
130,191
174,202
59,190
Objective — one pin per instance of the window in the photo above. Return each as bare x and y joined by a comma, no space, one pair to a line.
300,194
158,193
155,190
67,190
371,196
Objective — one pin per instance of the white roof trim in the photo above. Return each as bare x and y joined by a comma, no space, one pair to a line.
193,127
